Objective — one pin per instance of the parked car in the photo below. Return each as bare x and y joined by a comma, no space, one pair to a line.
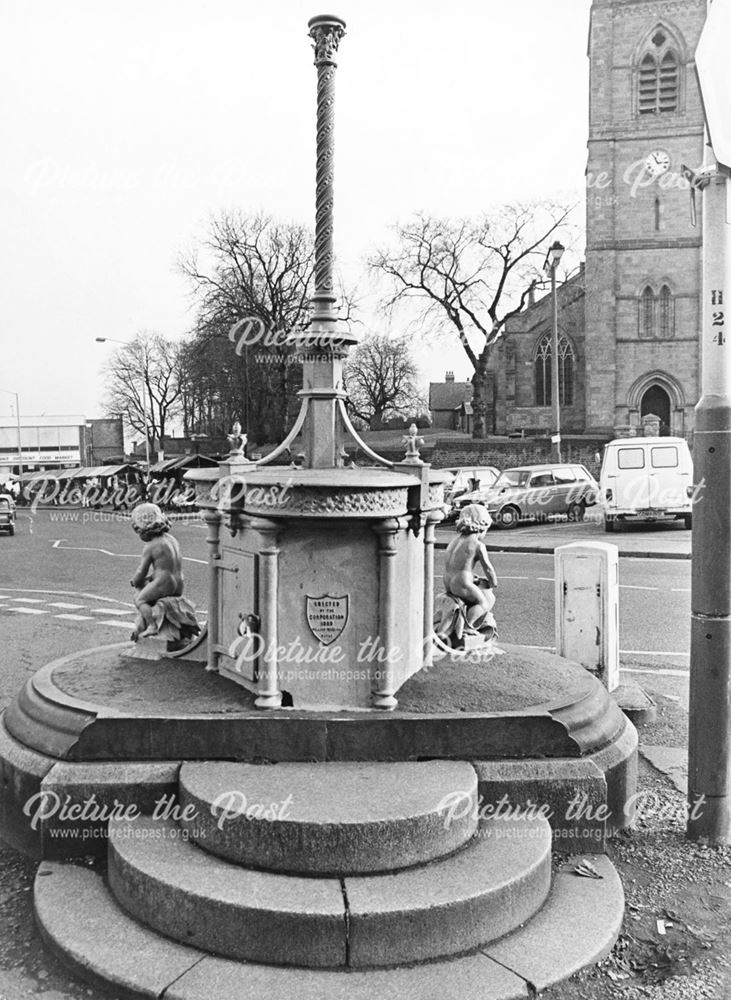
647,479
7,514
467,479
540,493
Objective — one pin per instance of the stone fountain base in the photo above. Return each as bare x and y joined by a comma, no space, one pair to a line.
537,729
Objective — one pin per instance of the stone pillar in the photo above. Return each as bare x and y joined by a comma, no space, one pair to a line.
385,685
213,519
269,695
431,522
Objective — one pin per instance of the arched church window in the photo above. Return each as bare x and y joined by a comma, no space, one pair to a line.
666,313
647,312
658,77
543,372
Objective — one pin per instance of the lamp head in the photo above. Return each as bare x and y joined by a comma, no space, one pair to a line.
553,257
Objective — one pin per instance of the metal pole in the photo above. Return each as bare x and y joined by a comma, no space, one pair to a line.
554,367
709,742
147,426
20,445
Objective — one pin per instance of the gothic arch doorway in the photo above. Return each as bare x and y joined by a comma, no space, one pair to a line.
655,400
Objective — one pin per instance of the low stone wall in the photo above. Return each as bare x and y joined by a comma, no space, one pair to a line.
507,453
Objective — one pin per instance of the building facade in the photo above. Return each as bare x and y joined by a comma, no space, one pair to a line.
629,321
643,256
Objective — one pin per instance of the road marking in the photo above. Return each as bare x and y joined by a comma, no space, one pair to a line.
622,586
66,593
111,611
65,606
75,618
652,652
112,624
115,555
28,600
660,672
625,652
27,611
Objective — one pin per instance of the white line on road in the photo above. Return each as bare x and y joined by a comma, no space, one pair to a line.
111,611
116,555
661,672
28,600
624,652
622,586
66,593
75,618
65,606
126,625
27,611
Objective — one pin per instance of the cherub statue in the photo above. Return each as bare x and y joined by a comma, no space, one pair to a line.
464,610
162,610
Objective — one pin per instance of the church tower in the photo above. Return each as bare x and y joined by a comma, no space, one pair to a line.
643,263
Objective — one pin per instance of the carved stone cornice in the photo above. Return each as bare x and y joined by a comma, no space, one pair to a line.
320,502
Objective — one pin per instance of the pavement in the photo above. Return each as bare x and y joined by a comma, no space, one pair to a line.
669,540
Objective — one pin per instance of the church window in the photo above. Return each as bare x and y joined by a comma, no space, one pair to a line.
647,312
656,313
648,85
667,314
658,78
542,371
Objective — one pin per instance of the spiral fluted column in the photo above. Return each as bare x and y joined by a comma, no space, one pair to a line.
325,32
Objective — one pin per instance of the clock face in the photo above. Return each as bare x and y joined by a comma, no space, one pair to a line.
657,162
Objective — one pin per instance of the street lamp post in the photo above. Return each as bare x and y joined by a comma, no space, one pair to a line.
553,259
17,420
125,343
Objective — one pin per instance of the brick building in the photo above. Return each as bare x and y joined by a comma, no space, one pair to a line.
629,321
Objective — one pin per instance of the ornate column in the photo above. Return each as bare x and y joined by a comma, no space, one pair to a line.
432,519
384,688
269,695
213,519
325,32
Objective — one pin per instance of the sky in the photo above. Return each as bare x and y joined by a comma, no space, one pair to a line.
126,126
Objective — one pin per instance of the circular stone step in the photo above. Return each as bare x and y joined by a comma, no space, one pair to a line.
329,818
82,924
497,882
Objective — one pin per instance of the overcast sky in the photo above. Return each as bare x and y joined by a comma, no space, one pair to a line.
126,125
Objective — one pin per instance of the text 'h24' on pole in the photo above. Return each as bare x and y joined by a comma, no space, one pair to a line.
709,737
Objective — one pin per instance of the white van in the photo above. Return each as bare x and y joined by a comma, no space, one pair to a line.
646,479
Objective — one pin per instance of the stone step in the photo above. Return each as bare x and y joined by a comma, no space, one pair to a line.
330,819
495,883
82,923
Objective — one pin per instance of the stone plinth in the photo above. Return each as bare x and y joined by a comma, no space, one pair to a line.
102,709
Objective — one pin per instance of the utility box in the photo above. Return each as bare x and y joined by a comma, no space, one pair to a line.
587,607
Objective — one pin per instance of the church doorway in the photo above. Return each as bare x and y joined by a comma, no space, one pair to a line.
656,401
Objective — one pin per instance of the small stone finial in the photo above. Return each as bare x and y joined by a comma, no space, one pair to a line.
413,443
237,441
325,32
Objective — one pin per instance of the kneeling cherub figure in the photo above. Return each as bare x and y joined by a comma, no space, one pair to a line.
161,608
466,605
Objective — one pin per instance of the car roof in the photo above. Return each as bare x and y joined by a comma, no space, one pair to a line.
545,467
645,440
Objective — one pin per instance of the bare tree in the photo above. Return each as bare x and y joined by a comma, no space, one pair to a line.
381,379
473,273
249,267
147,370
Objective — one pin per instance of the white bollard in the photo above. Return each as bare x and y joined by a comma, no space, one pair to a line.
587,607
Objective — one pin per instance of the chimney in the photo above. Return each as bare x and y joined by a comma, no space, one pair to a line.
449,377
